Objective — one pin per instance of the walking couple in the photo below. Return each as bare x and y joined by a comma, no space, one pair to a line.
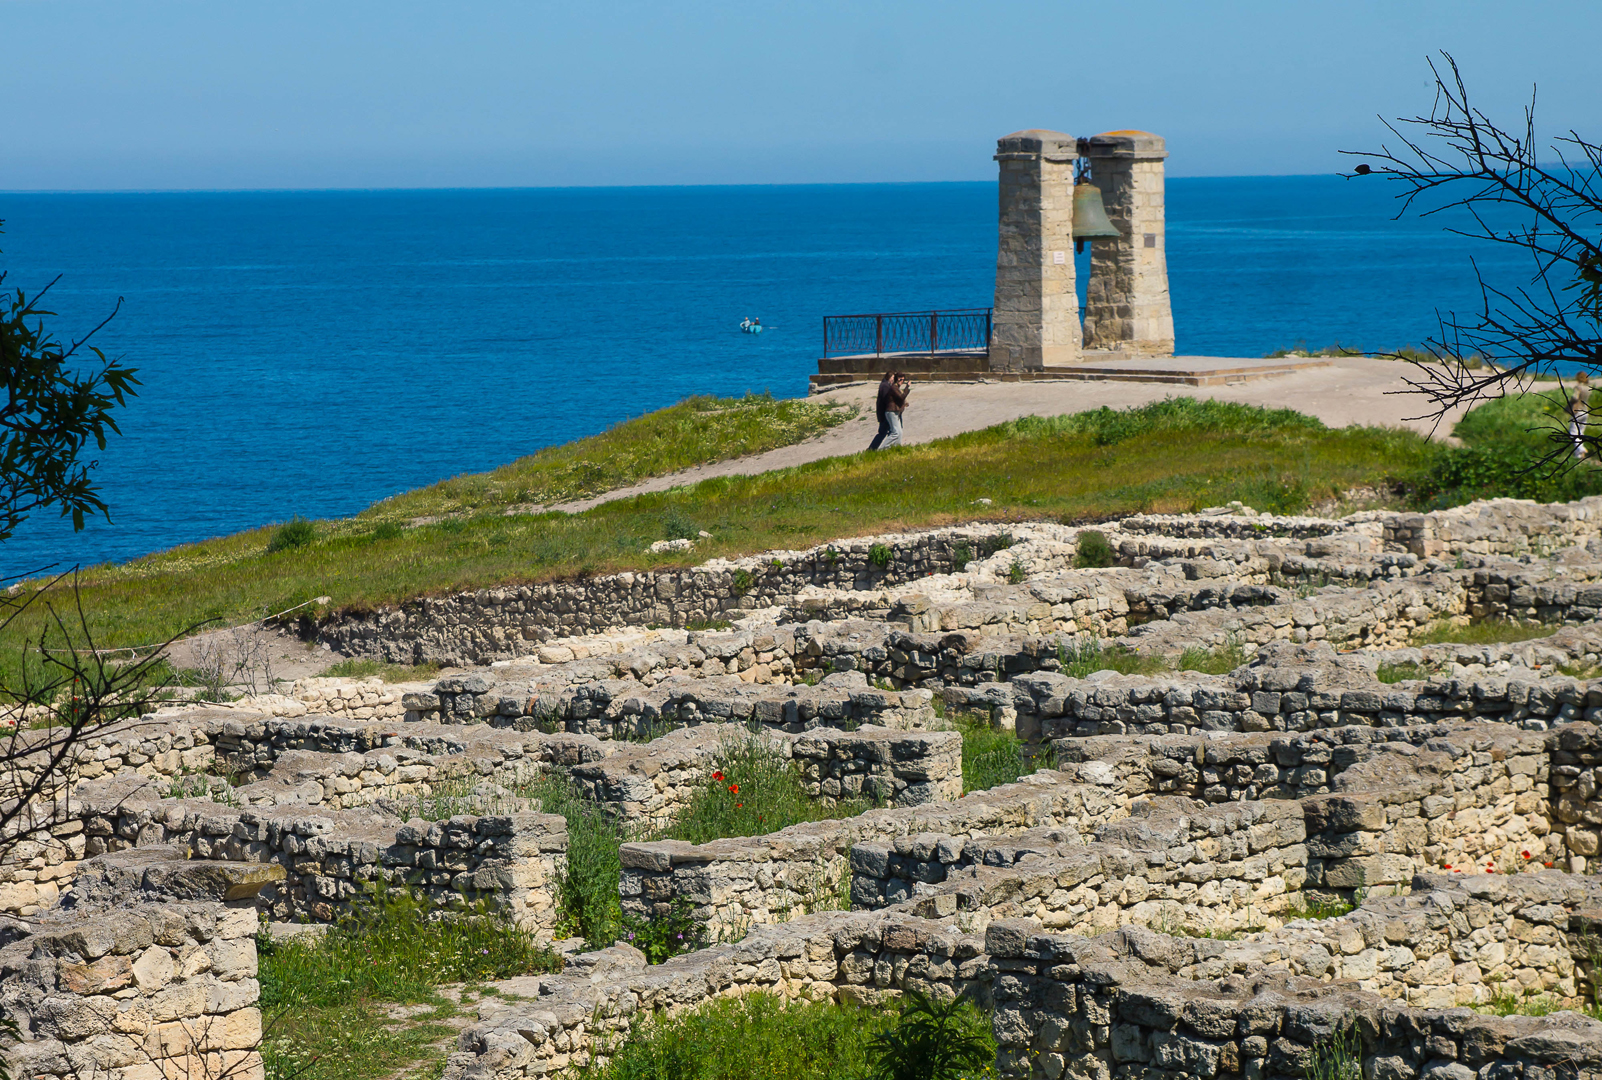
893,391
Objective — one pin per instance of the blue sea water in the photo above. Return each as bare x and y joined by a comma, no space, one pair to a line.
311,352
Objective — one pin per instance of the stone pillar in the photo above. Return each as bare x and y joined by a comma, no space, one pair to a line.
1036,308
1126,302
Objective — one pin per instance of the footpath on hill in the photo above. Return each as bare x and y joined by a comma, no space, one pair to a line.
1352,390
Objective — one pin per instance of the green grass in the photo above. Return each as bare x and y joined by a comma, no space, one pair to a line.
323,996
1086,655
991,757
763,1037
359,668
1395,673
693,432
1175,455
1506,440
1488,632
753,791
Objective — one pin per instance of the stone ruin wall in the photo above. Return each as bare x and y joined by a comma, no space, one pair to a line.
504,623
1185,803
136,992
1133,1000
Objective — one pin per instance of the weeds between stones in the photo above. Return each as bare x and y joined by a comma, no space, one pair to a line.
992,757
1486,632
323,993
1093,550
363,668
754,790
1340,1057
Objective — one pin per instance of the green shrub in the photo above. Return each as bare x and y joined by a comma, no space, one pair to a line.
1093,550
668,935
388,530
753,790
1339,1057
933,1040
295,533
1515,446
754,1035
879,555
742,582
588,889
1016,574
677,526
391,946
1084,655
991,757
998,542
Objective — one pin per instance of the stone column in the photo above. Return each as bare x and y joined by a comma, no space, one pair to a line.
1126,302
1036,309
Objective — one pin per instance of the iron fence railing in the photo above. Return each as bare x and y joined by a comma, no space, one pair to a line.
915,333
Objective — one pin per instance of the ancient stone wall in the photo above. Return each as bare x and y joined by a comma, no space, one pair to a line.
1106,1007
1136,1000
652,783
143,990
746,881
331,857
1171,863
622,708
503,623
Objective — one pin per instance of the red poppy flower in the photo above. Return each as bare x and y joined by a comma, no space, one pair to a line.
717,776
738,805
1448,866
1526,854
734,789
1547,865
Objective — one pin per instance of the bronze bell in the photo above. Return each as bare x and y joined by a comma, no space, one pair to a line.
1090,216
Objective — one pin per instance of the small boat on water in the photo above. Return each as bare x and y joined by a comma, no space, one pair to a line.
751,326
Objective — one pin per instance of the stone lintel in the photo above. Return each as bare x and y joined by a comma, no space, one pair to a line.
1037,142
1129,145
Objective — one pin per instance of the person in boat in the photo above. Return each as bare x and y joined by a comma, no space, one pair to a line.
745,326
892,402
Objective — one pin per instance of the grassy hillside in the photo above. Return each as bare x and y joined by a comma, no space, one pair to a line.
1175,455
1514,447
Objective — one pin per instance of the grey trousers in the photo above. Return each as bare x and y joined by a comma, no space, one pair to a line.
889,432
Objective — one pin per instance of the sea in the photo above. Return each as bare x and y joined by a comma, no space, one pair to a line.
310,352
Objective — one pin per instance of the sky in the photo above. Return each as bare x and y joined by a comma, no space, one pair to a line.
176,94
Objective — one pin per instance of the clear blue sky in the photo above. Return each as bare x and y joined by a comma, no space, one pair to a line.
141,94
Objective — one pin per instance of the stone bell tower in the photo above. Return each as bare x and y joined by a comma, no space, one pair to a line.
1126,301
1036,319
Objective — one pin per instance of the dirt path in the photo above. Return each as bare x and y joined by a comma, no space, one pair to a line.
1349,391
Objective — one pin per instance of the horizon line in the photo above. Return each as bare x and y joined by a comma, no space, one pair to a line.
357,189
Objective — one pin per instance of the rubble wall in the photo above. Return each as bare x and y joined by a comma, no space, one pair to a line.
749,881
147,990
331,858
1133,1001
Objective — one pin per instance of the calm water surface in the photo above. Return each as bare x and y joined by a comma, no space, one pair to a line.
312,352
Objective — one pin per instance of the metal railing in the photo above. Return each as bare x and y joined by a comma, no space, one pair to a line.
908,333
